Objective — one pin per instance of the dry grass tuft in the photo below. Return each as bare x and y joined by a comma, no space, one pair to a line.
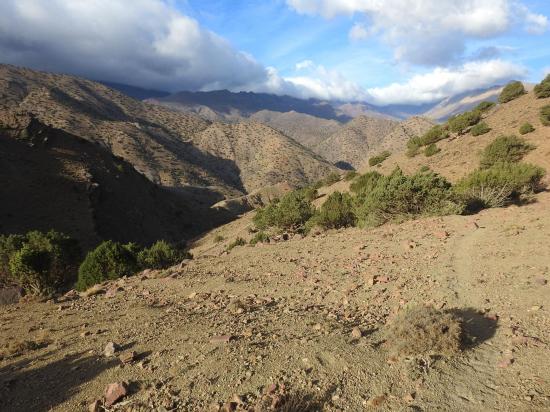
424,331
21,347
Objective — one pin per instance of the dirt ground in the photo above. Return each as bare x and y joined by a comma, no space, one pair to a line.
285,313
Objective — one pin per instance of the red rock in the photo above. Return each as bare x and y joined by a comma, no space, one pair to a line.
505,362
541,282
382,279
492,316
114,392
221,339
442,235
128,357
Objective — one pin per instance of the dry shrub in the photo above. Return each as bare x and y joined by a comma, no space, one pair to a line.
282,401
424,331
21,347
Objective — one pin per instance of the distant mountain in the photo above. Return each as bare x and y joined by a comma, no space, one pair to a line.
136,92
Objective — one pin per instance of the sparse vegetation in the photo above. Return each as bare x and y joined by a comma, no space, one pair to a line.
505,149
434,135
512,91
500,184
484,106
237,242
161,255
336,212
526,128
331,179
431,150
41,263
365,182
218,238
480,129
110,260
542,90
350,175
291,212
378,159
260,237
461,122
424,331
425,168
545,115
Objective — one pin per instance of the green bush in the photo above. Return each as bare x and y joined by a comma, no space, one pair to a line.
237,242
459,123
526,128
542,90
161,255
504,149
291,212
424,168
434,135
545,115
431,150
399,197
484,106
260,237
336,212
512,91
350,175
109,261
378,159
365,182
480,129
499,184
218,238
41,263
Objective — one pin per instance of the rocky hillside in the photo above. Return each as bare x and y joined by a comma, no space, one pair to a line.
166,146
352,144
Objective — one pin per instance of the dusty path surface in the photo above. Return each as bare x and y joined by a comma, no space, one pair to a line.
288,311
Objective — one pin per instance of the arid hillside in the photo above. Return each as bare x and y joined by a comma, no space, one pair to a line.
160,143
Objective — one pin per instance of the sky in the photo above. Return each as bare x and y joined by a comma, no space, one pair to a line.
379,51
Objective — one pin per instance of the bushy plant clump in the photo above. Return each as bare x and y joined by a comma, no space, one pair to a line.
484,106
431,150
365,182
398,196
505,149
542,90
545,115
260,237
434,135
41,263
378,159
480,129
461,122
500,184
526,128
350,175
336,212
291,212
237,242
512,91
161,255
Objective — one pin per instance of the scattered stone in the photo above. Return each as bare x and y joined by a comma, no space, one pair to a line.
94,290
62,307
317,326
376,401
112,291
71,294
409,397
114,392
356,333
95,406
535,308
128,357
442,235
221,339
382,279
492,316
541,282
505,362
110,349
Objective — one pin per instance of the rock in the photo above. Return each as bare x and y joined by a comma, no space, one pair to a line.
317,326
110,349
95,406
128,357
71,294
376,401
409,397
442,234
94,290
221,339
356,333
112,291
505,362
382,279
114,392
541,281
285,236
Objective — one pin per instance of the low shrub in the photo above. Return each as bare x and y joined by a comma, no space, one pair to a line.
498,185
459,123
218,239
237,242
260,237
424,331
484,106
398,197
41,263
431,150
349,176
161,255
365,182
336,212
434,135
512,91
378,159
526,128
331,179
542,90
424,168
545,115
109,261
291,212
505,149
480,129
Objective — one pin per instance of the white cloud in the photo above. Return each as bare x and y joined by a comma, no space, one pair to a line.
428,32
305,64
147,43
359,32
444,82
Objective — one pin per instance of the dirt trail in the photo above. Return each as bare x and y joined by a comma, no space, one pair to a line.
289,310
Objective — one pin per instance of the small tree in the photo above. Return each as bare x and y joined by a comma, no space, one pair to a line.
459,123
109,261
161,255
512,91
336,212
505,149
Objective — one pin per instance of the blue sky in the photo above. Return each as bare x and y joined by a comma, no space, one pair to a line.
395,51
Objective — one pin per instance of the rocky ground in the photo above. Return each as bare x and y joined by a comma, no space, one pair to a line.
306,317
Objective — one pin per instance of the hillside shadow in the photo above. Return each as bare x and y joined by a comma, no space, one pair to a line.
40,389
